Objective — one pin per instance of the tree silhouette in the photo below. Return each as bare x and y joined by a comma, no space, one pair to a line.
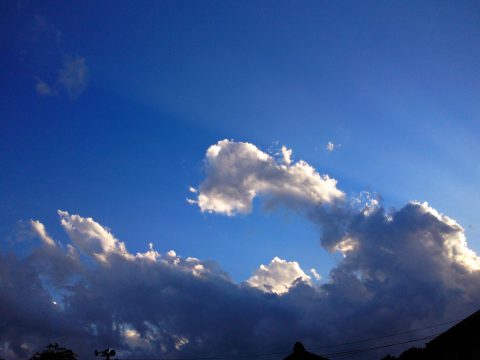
414,353
55,352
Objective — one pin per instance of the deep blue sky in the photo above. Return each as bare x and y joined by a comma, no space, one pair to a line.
397,84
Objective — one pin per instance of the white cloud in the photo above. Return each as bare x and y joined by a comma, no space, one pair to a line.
133,338
454,243
180,341
345,245
238,171
39,230
90,237
287,155
278,277
315,274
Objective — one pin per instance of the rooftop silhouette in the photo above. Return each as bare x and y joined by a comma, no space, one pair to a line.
299,353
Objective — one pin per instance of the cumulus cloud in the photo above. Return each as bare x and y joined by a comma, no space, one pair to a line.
402,268
237,172
410,267
90,237
278,277
412,259
93,293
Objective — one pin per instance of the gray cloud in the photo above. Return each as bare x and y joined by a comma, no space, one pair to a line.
401,269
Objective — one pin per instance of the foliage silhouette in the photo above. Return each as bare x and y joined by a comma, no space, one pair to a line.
414,353
55,352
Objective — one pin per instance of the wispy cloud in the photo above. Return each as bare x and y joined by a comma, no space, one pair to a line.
43,28
73,76
315,274
39,229
72,79
43,88
330,147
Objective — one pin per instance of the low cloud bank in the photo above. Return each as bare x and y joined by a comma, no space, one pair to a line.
401,269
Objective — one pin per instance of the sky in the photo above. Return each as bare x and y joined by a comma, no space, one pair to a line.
167,166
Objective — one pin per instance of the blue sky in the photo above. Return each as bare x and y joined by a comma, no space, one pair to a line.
107,110
396,84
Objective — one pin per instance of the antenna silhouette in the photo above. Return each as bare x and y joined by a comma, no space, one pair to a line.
107,353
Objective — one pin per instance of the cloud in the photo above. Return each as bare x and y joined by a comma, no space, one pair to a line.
278,277
402,269
411,268
43,88
237,172
39,229
43,28
412,260
287,155
90,237
330,147
315,274
73,76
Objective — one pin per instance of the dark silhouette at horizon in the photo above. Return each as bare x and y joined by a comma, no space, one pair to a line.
458,342
299,353
54,352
